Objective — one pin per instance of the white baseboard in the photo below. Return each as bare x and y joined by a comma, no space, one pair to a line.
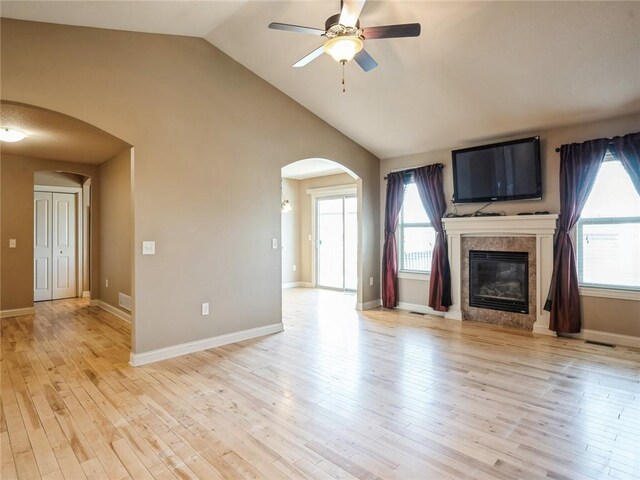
111,309
369,305
297,285
17,312
414,307
86,294
612,338
596,336
137,359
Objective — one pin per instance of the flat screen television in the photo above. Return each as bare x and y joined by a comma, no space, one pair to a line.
497,172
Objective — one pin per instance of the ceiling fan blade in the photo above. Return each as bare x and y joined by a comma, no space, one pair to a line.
296,28
351,12
392,31
310,57
365,60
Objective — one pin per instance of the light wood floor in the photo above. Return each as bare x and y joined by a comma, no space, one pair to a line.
339,394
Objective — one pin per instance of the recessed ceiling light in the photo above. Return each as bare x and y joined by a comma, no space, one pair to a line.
11,135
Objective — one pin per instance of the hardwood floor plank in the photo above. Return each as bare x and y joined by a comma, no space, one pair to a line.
339,394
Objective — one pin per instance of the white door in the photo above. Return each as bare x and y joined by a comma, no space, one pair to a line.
42,251
337,246
54,245
330,233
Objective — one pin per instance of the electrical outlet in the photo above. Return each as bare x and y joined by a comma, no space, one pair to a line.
294,268
371,281
106,282
205,309
148,247
309,237
12,243
274,243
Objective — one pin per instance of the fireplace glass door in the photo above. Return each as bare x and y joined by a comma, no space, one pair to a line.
499,280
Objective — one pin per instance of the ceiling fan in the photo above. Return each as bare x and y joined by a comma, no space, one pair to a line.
344,37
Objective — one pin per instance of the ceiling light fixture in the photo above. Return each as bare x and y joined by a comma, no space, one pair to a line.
11,135
343,47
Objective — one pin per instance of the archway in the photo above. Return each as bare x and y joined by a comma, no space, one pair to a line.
69,156
307,187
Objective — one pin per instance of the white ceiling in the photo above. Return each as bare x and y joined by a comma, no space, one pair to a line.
480,70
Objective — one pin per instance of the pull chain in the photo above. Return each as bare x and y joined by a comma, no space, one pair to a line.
343,86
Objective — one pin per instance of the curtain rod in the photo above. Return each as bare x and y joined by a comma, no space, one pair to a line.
411,169
610,143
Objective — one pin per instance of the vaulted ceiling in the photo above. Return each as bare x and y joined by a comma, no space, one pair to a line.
479,70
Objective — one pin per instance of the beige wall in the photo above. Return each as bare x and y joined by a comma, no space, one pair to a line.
611,315
115,228
16,270
306,246
210,138
290,237
615,316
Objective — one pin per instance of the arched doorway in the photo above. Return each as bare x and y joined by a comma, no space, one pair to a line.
87,173
321,227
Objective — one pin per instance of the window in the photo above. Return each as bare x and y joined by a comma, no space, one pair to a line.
417,236
608,231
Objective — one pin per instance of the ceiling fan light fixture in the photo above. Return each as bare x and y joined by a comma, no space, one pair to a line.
343,48
11,135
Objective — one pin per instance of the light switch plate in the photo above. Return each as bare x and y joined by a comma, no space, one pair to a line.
148,247
12,243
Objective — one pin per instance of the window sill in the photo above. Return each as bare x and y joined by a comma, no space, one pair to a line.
423,277
610,293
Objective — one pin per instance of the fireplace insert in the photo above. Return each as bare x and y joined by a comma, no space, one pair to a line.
499,280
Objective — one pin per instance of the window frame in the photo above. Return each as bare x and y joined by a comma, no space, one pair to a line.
602,289
403,272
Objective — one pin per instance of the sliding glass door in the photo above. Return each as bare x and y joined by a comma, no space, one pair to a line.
337,242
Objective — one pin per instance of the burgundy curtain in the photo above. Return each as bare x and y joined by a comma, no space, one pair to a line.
627,150
395,197
429,182
579,165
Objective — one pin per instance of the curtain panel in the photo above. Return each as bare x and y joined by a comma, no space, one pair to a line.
579,165
393,204
627,150
430,188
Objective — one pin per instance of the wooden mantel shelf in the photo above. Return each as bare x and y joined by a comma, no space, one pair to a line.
502,225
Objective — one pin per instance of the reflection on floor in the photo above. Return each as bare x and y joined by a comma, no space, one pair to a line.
338,394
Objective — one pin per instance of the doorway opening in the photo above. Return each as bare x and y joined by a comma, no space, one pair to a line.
321,226
336,220
61,227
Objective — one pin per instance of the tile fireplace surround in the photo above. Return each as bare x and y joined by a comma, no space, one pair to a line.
462,232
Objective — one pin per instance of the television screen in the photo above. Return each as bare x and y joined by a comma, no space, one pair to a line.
497,172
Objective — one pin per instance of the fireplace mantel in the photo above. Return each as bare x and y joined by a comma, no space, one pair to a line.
542,227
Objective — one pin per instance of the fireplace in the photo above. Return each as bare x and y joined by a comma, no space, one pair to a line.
499,280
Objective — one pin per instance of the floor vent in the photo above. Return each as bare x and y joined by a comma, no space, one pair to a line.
417,313
124,301
602,344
